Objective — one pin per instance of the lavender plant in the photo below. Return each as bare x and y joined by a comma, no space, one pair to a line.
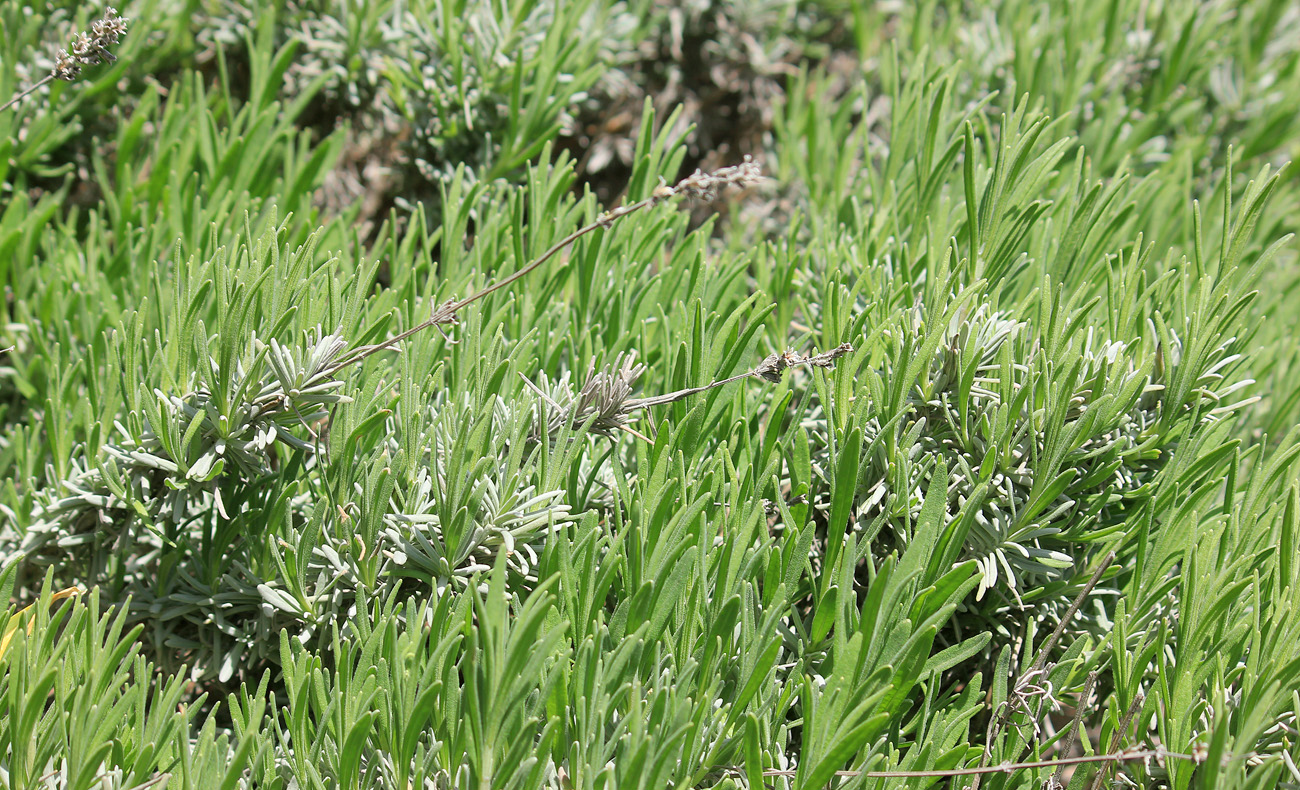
957,451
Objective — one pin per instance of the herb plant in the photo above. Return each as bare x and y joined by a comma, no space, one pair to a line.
387,399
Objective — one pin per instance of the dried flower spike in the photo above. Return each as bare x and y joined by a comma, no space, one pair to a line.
707,186
89,49
606,398
771,368
700,185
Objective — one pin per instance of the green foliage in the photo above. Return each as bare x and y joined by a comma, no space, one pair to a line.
1055,238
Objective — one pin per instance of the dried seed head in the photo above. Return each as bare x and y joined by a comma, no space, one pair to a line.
109,30
771,368
707,186
90,48
826,359
66,67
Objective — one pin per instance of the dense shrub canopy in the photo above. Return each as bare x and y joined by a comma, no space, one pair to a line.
652,394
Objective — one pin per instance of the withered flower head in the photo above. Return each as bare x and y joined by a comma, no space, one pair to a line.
90,48
826,359
606,401
707,186
771,368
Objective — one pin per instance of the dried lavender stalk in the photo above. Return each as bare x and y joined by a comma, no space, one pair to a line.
698,185
87,49
605,399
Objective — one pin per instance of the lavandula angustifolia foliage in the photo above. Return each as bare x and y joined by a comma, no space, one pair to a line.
193,463
170,473
426,91
698,186
433,540
1113,379
672,635
108,145
156,514
1044,452
1048,420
